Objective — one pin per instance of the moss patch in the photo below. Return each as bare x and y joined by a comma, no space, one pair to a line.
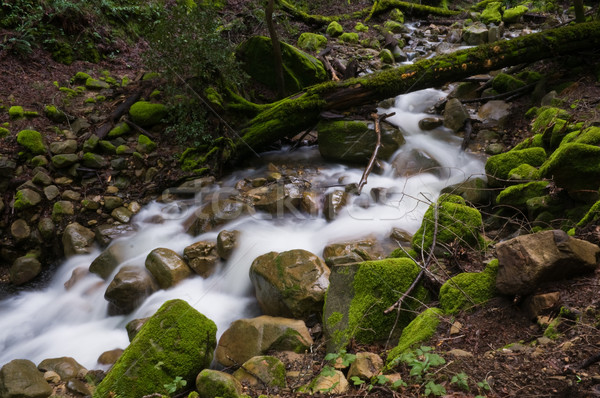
467,289
518,195
492,13
334,29
514,14
311,42
498,167
417,332
146,113
575,167
32,141
504,83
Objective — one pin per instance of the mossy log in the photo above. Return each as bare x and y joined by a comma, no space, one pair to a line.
301,111
382,6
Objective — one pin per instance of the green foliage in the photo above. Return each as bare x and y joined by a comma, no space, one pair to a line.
177,383
461,380
420,362
187,123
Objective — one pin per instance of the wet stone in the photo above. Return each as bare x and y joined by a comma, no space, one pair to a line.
41,178
112,202
62,147
430,123
20,230
24,269
70,195
51,192
121,214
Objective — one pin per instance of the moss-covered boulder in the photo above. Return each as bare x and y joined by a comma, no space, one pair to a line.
454,221
147,114
177,341
504,83
94,161
498,167
349,37
55,114
514,14
167,267
213,383
359,294
524,172
64,160
145,144
334,29
299,68
517,195
32,141
386,56
547,118
417,332
95,84
468,289
119,130
492,13
354,141
26,198
311,42
262,370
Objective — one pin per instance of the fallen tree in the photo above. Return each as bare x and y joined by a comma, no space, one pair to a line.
302,110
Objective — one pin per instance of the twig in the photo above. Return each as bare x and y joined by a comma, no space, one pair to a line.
378,119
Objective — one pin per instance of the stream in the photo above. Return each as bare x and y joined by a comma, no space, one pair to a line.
55,322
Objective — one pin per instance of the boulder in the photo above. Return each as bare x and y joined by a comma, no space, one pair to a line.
214,214
24,269
517,196
299,68
202,258
77,239
147,114
334,203
492,13
475,34
498,167
357,250
213,383
359,294
279,198
527,261
32,141
365,366
105,233
19,230
226,243
21,379
455,114
331,384
110,357
167,267
94,161
541,304
468,289
26,198
247,338
473,190
66,367
266,371
415,161
128,289
109,260
354,141
494,113
312,42
290,283
417,332
176,341
66,146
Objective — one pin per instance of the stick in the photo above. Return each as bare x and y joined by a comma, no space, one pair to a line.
378,119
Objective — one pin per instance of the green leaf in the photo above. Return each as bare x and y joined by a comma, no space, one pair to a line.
328,371
434,388
357,381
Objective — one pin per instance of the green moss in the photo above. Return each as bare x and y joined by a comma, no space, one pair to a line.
394,27
514,14
386,56
592,215
32,141
145,144
95,84
311,42
468,289
122,149
492,13
212,383
360,27
403,253
54,114
590,136
574,166
518,195
532,142
119,130
397,15
80,77
23,201
31,114
4,132
335,318
176,341
16,112
62,52
456,223
91,143
546,118
107,147
524,172
499,166
504,83
70,92
417,332
146,113
214,97
334,29
551,330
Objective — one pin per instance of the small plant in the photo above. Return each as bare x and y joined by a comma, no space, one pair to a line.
175,385
461,380
420,361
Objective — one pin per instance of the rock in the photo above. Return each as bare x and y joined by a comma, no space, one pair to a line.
498,167
78,274
109,259
335,384
226,243
21,379
266,371
473,190
430,123
95,84
147,114
46,228
386,56
121,214
94,161
527,261
64,160
7,167
541,304
415,161
354,141
214,214
66,367
247,338
201,257
334,203
475,34
365,366
359,294
363,250
517,196
26,198
492,13
458,353
61,147
290,283
514,14
455,114
128,289
145,144
32,141
468,289
105,233
167,267
494,113
51,192
417,332
311,203
177,340
278,199
52,377
300,69
311,42
24,269
110,357
77,239
41,178
133,327
19,230
334,29
79,387
213,383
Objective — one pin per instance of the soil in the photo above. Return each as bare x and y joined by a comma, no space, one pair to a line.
509,351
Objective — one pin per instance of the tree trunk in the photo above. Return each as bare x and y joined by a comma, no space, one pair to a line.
301,111
579,12
277,58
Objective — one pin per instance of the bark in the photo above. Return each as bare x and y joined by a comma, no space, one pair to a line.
579,11
277,58
300,111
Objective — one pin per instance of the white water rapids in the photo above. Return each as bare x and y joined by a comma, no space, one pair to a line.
53,322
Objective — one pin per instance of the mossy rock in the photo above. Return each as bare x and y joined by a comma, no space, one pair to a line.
589,136
592,215
349,37
80,77
386,56
531,142
55,114
145,144
4,132
546,118
26,198
504,83
456,223
147,114
16,112
394,27
403,253
498,167
468,289
514,14
95,84
311,42
32,141
299,68
177,341
524,172
213,383
517,195
94,161
334,29
492,13
417,332
397,15
360,27
262,370
119,130
358,295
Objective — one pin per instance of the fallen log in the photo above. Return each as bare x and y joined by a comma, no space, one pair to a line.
300,111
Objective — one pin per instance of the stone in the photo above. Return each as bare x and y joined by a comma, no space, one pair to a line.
334,29
214,214
32,141
41,178
110,357
94,161
415,161
473,190
128,289
105,233
366,249
416,333
498,167
95,84
64,160
51,192
24,269
247,338
334,203
79,387
19,230
494,113
311,42
335,384
21,379
213,383
176,340
262,370
133,327
109,259
78,274
386,56
527,261
167,267
226,243
147,114
61,147
112,202
541,304
475,34
70,195
26,198
468,289
430,123
121,214
66,367
201,257
278,199
455,114
365,366
46,227
292,283
458,353
145,144
52,377
77,239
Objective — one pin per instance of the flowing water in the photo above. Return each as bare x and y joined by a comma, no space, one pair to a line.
54,322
